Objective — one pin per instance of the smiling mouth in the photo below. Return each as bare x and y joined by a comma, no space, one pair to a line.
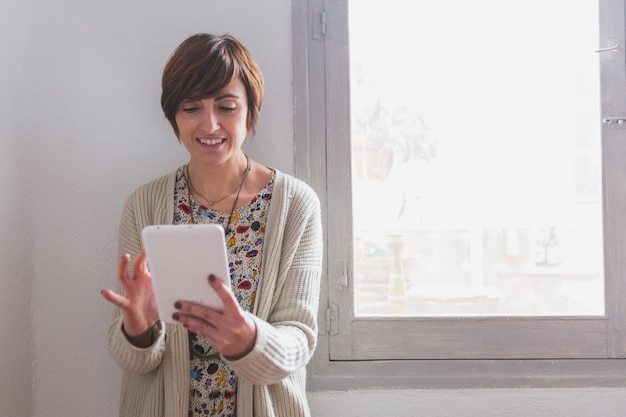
210,141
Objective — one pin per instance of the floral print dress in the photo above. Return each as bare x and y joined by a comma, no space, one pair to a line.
213,385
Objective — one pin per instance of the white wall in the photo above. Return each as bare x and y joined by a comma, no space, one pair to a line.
80,127
15,222
95,132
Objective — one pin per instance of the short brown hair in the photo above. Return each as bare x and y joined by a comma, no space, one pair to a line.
203,65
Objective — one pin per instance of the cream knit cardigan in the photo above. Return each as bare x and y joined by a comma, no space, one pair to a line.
272,377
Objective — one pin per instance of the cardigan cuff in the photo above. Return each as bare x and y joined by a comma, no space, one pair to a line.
135,359
270,361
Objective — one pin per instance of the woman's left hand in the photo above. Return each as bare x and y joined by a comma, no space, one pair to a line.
232,332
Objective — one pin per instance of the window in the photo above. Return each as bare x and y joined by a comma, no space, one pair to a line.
472,218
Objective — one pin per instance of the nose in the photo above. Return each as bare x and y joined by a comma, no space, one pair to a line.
209,122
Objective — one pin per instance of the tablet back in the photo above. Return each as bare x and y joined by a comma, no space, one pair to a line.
180,260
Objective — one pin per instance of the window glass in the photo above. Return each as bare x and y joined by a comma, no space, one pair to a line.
476,154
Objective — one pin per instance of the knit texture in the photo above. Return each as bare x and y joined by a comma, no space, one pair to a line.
272,377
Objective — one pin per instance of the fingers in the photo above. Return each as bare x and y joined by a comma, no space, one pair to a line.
122,272
114,298
224,293
140,268
195,311
232,332
141,263
231,306
199,318
205,313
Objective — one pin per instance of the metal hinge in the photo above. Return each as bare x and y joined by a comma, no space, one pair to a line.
319,24
331,319
323,22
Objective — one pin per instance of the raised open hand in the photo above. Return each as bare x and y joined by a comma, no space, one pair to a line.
138,304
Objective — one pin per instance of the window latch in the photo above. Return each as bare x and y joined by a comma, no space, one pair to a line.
614,48
342,281
614,120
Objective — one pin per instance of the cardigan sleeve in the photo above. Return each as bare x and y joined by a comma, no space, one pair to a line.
138,211
287,321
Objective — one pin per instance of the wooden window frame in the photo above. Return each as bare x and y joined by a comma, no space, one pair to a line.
356,352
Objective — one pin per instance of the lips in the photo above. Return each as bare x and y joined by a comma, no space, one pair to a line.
212,141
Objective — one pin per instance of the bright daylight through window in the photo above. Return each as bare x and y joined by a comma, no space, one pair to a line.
476,158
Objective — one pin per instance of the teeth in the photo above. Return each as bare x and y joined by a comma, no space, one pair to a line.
210,141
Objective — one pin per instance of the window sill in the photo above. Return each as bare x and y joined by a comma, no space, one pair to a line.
468,374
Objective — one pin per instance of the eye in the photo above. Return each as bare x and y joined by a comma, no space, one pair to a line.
189,106
190,109
227,109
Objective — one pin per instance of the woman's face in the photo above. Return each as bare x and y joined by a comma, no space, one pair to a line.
213,129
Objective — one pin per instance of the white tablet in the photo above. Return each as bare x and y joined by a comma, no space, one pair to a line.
180,260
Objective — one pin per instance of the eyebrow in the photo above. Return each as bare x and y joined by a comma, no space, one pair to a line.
226,95
220,97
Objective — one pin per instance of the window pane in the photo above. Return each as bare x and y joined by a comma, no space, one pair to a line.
476,158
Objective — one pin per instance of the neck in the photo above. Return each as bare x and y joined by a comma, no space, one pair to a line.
215,183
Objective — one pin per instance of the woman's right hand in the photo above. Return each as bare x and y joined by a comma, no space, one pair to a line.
138,305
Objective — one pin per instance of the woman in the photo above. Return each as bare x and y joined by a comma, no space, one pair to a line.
249,360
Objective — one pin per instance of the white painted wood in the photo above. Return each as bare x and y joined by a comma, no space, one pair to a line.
502,351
